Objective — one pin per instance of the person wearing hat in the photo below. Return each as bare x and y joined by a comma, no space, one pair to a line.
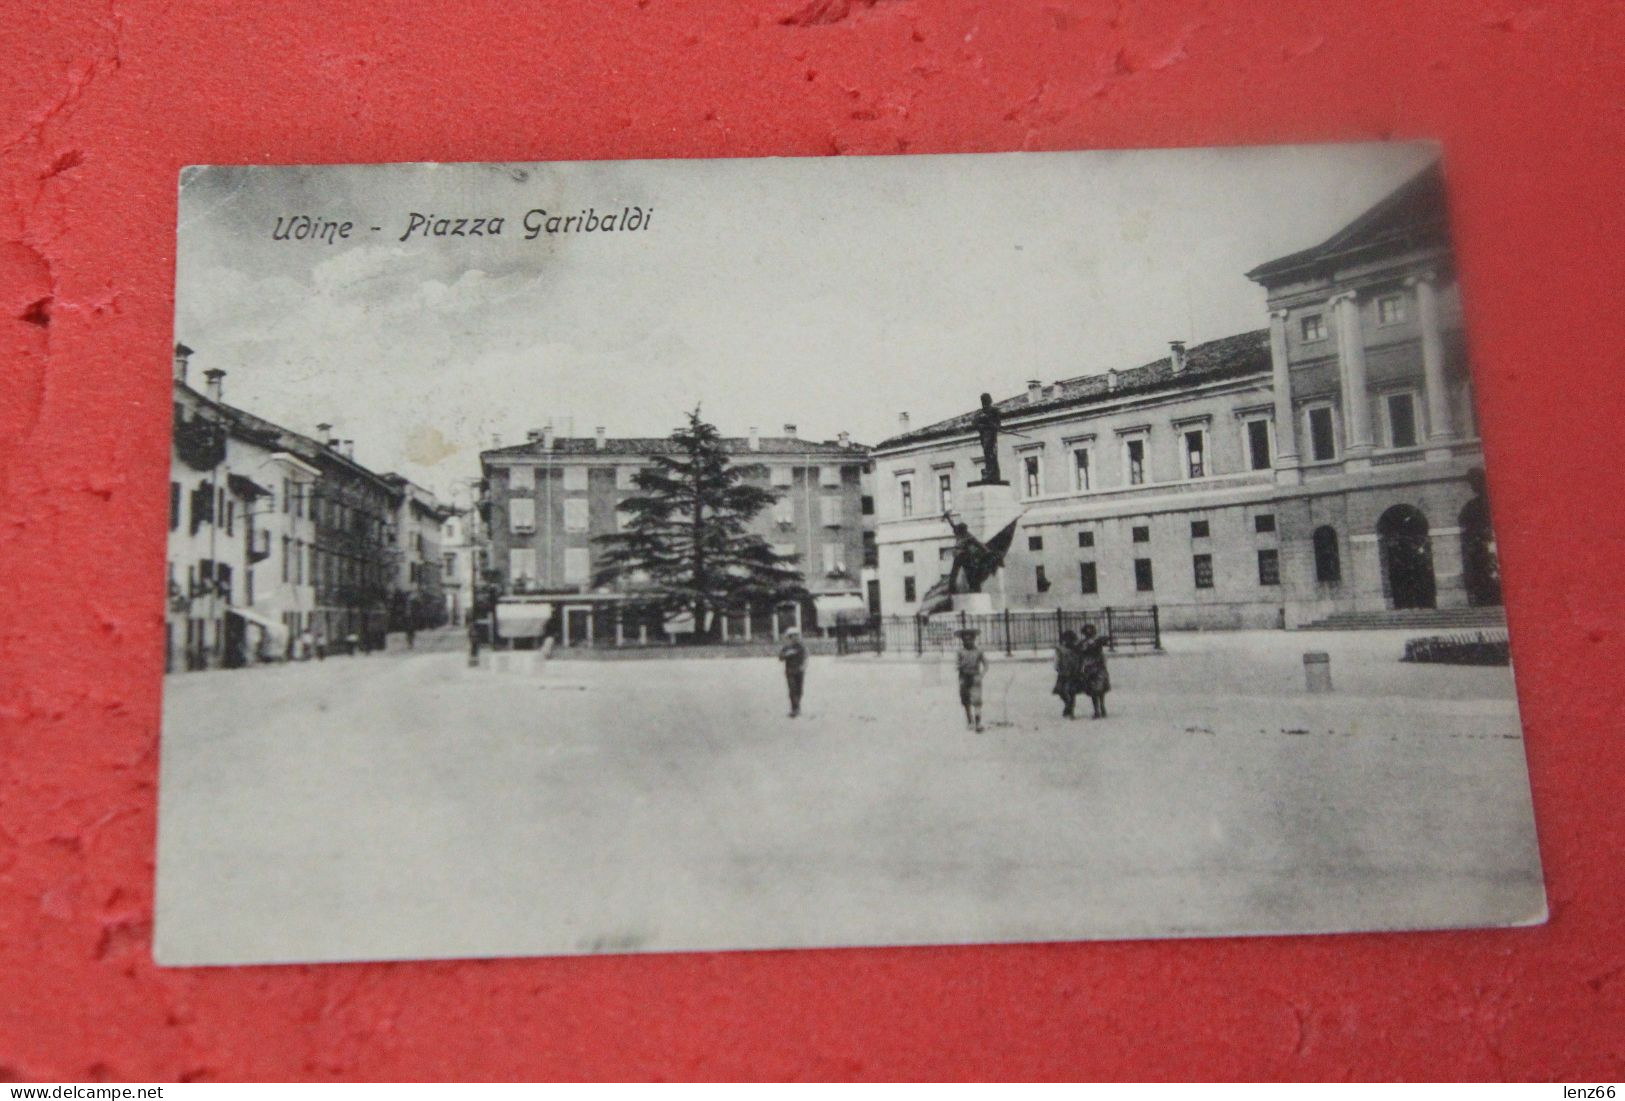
794,655
972,664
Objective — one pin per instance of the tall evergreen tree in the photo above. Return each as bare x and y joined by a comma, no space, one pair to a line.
686,541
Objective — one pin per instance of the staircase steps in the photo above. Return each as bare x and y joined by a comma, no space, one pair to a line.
1444,619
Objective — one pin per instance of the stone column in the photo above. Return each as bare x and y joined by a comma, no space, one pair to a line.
1356,393
1286,427
1441,427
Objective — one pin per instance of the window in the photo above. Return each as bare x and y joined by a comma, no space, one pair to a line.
834,561
866,505
945,490
521,478
1258,444
522,565
231,517
1032,475
174,505
522,514
285,563
1269,566
1134,461
785,550
1202,566
1264,522
829,477
448,565
575,511
1086,538
1322,435
1040,581
1195,446
287,497
782,476
1035,542
1142,575
1142,535
1313,327
829,509
1401,409
908,558
784,512
1199,529
1328,561
1086,578
908,590
905,496
576,565
1390,309
1080,469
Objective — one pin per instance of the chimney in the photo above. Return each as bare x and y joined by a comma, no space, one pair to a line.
324,434
902,422
547,438
182,355
1035,391
1111,379
532,435
1176,353
216,379
496,439
790,430
598,436
755,439
348,447
845,439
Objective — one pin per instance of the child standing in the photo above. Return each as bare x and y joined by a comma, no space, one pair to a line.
972,665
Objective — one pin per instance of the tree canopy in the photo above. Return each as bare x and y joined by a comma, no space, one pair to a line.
686,542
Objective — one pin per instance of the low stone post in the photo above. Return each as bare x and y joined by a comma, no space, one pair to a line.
1317,671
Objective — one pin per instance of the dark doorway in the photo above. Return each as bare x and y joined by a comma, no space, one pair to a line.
1480,572
1407,557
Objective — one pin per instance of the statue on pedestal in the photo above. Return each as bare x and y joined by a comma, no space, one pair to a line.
986,423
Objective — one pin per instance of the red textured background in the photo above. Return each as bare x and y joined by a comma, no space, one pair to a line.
101,103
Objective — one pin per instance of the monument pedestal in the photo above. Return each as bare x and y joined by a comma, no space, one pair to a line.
986,508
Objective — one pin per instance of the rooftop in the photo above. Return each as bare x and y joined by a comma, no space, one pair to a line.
639,446
1411,215
1231,356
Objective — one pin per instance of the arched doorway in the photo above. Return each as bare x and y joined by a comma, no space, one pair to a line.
1407,557
1480,572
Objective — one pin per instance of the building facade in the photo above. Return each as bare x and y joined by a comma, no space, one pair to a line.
1327,464
548,499
239,589
272,534
464,559
419,598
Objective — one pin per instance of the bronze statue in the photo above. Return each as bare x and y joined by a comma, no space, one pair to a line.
974,562
986,423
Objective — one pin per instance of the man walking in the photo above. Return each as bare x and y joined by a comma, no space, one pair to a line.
794,656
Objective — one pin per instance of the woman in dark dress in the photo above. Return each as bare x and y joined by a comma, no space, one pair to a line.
1095,681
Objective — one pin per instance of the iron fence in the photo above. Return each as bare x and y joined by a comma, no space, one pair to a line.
1007,632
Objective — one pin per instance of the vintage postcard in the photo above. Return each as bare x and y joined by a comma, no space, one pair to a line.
743,554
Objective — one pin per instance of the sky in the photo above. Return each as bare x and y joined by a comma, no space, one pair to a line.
832,293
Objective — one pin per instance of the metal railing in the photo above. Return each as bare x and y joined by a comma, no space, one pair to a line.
1006,632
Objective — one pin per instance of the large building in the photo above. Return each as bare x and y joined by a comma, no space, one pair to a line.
549,498
274,533
240,531
1327,464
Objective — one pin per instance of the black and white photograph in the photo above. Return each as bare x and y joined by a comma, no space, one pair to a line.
694,555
